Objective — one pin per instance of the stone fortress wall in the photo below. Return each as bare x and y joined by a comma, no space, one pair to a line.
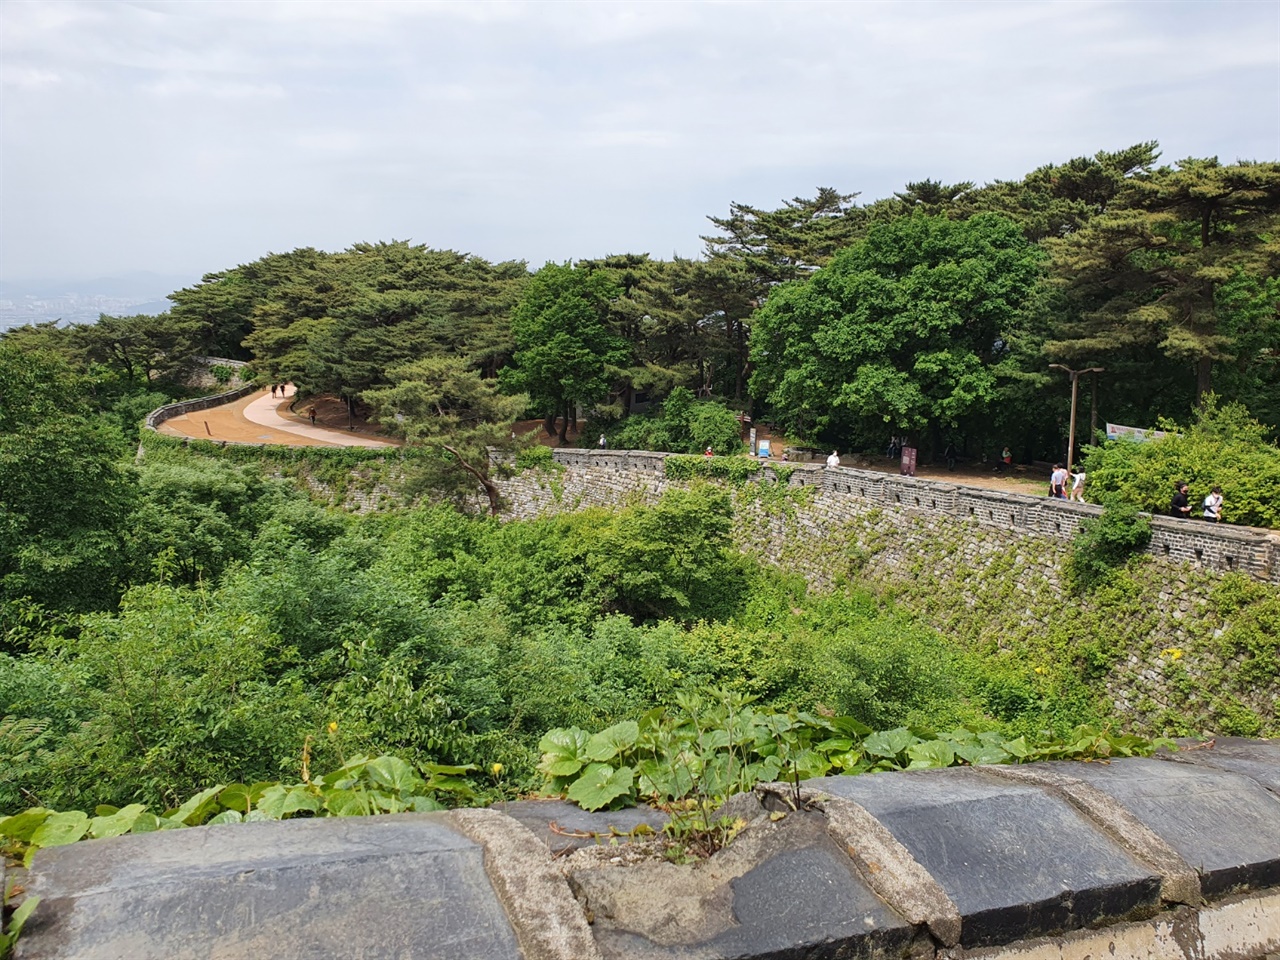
603,477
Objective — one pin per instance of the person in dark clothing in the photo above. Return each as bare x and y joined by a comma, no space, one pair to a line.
950,454
1180,506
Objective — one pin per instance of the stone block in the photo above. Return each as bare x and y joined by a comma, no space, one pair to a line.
566,826
395,886
782,890
1017,861
1256,759
1225,825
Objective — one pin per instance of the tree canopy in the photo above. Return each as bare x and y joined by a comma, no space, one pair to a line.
904,329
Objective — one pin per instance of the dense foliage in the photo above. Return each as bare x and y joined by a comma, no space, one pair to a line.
1105,543
934,313
680,425
1222,447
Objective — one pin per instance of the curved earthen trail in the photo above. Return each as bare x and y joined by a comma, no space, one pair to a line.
262,418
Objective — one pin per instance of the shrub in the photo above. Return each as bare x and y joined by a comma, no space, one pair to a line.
681,425
1107,542
1224,447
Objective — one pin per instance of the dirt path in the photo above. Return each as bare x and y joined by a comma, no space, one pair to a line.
261,418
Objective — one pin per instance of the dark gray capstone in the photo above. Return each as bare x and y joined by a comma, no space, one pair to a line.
566,826
1224,825
1016,861
1256,759
782,891
374,887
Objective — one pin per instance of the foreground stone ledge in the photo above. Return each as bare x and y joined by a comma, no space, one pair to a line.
360,887
1064,861
1225,825
1016,860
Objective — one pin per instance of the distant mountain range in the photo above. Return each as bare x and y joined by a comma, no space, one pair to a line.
82,301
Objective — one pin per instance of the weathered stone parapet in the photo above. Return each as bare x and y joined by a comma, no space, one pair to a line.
1060,861
849,491
171,410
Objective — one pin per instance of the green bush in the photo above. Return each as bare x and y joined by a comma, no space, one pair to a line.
1105,543
1224,447
681,425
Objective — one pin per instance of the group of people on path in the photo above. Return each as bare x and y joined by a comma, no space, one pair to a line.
1058,483
1180,505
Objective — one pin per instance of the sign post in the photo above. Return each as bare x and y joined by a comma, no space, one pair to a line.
908,461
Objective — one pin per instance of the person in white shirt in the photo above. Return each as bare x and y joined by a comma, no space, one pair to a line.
833,460
1058,482
1077,486
1213,505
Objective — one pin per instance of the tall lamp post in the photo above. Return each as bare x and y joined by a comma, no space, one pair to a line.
1075,390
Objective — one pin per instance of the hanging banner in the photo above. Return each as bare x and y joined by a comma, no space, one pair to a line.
1116,431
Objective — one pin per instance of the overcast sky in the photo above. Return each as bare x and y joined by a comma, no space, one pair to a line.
188,137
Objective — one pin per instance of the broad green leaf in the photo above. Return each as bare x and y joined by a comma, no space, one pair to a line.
888,743
716,739
976,753
425,805
1018,748
446,770
850,727
835,745
194,811
145,822
104,810
280,801
394,773
563,751
611,741
664,780
346,803
808,764
115,824
600,784
61,829
22,825
932,753
226,816
236,797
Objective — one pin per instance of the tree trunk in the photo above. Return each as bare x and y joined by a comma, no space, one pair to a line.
1204,378
549,424
490,488
564,427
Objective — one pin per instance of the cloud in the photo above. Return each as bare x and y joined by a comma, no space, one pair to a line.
191,136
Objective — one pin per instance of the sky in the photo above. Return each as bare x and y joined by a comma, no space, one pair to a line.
183,138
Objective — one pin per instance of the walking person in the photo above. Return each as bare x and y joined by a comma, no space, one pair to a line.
603,442
950,454
273,391
1077,486
834,459
1180,505
1213,505
312,414
1058,482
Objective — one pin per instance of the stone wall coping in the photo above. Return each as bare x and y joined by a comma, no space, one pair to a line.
937,864
1215,546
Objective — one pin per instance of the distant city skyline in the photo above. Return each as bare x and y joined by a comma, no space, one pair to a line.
184,138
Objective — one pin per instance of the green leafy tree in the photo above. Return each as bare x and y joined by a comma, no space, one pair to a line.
63,496
1177,268
905,329
566,356
439,402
